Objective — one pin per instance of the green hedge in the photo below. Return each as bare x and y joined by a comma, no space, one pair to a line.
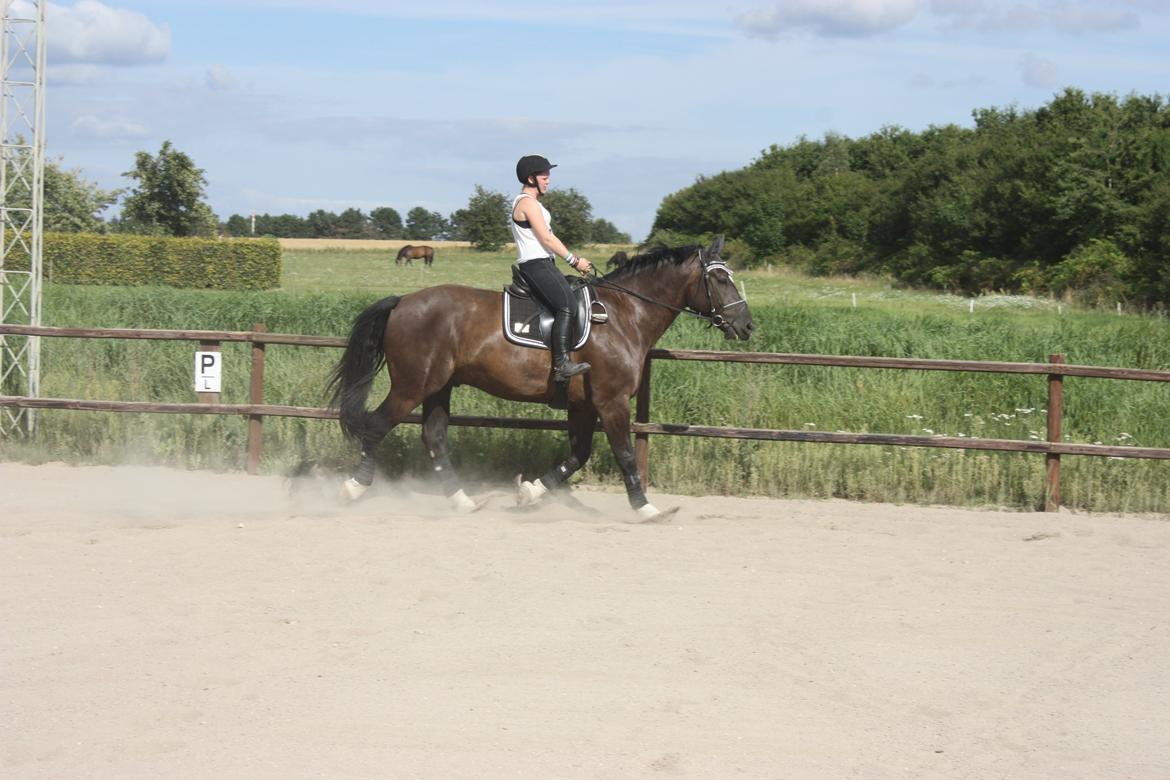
129,260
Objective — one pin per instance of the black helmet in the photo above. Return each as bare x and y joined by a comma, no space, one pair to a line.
531,164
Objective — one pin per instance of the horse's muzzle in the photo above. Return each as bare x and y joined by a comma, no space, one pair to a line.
734,329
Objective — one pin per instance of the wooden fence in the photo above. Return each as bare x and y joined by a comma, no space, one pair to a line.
256,410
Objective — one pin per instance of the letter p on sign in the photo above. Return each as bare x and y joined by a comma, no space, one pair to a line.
208,370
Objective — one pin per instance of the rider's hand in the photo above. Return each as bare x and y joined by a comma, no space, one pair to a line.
583,265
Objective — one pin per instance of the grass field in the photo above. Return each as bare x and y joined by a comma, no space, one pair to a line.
324,289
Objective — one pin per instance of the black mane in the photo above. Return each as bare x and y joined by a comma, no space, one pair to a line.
654,258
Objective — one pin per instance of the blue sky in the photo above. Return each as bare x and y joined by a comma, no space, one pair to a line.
292,105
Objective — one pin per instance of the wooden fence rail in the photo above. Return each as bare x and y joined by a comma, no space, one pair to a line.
256,410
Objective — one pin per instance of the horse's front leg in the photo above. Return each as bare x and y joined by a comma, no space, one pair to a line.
616,422
581,422
436,418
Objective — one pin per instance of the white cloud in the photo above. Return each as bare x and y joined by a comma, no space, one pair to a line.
106,129
1065,16
700,18
72,75
1038,72
91,32
922,80
447,142
220,77
829,18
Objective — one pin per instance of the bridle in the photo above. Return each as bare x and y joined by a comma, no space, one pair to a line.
714,317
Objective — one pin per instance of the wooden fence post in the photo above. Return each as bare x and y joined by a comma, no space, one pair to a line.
642,415
1052,459
256,396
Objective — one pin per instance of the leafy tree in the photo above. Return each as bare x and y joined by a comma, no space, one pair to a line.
425,225
168,198
602,231
323,224
386,222
71,204
237,225
280,225
572,216
283,226
352,223
1067,198
1096,272
484,221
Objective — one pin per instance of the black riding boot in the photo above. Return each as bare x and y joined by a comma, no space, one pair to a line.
564,369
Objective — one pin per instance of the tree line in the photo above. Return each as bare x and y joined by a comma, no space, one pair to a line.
1071,198
483,222
167,196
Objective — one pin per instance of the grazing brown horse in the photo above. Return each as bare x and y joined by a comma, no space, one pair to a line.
439,337
410,253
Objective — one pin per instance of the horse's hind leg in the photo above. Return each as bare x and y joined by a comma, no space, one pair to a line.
581,424
436,417
377,424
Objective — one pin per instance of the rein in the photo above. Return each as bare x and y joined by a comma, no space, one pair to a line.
713,318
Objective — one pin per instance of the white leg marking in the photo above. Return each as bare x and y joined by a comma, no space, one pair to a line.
648,511
462,502
352,489
530,492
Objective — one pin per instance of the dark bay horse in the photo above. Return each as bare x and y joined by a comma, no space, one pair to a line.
439,337
410,253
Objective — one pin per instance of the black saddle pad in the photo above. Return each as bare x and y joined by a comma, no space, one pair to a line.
529,324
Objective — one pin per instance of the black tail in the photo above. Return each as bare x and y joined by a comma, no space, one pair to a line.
350,380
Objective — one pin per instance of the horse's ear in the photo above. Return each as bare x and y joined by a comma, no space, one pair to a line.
716,245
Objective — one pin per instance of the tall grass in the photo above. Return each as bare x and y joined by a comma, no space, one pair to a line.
793,314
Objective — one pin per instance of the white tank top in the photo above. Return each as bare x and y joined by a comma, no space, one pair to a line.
527,245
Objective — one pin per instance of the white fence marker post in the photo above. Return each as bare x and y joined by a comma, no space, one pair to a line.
208,372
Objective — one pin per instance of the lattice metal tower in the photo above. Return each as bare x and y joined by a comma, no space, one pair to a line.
22,174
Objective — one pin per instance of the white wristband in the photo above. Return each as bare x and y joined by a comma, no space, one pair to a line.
571,259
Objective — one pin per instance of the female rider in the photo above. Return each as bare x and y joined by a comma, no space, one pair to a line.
536,247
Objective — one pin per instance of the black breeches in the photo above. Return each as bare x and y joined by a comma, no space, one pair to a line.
548,284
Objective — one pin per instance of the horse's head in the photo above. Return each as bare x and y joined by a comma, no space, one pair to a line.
715,296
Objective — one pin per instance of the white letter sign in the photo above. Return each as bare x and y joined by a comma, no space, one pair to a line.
208,367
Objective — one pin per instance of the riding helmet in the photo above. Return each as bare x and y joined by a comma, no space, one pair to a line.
531,164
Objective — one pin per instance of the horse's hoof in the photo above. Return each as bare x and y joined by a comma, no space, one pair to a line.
464,504
529,492
352,490
648,512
